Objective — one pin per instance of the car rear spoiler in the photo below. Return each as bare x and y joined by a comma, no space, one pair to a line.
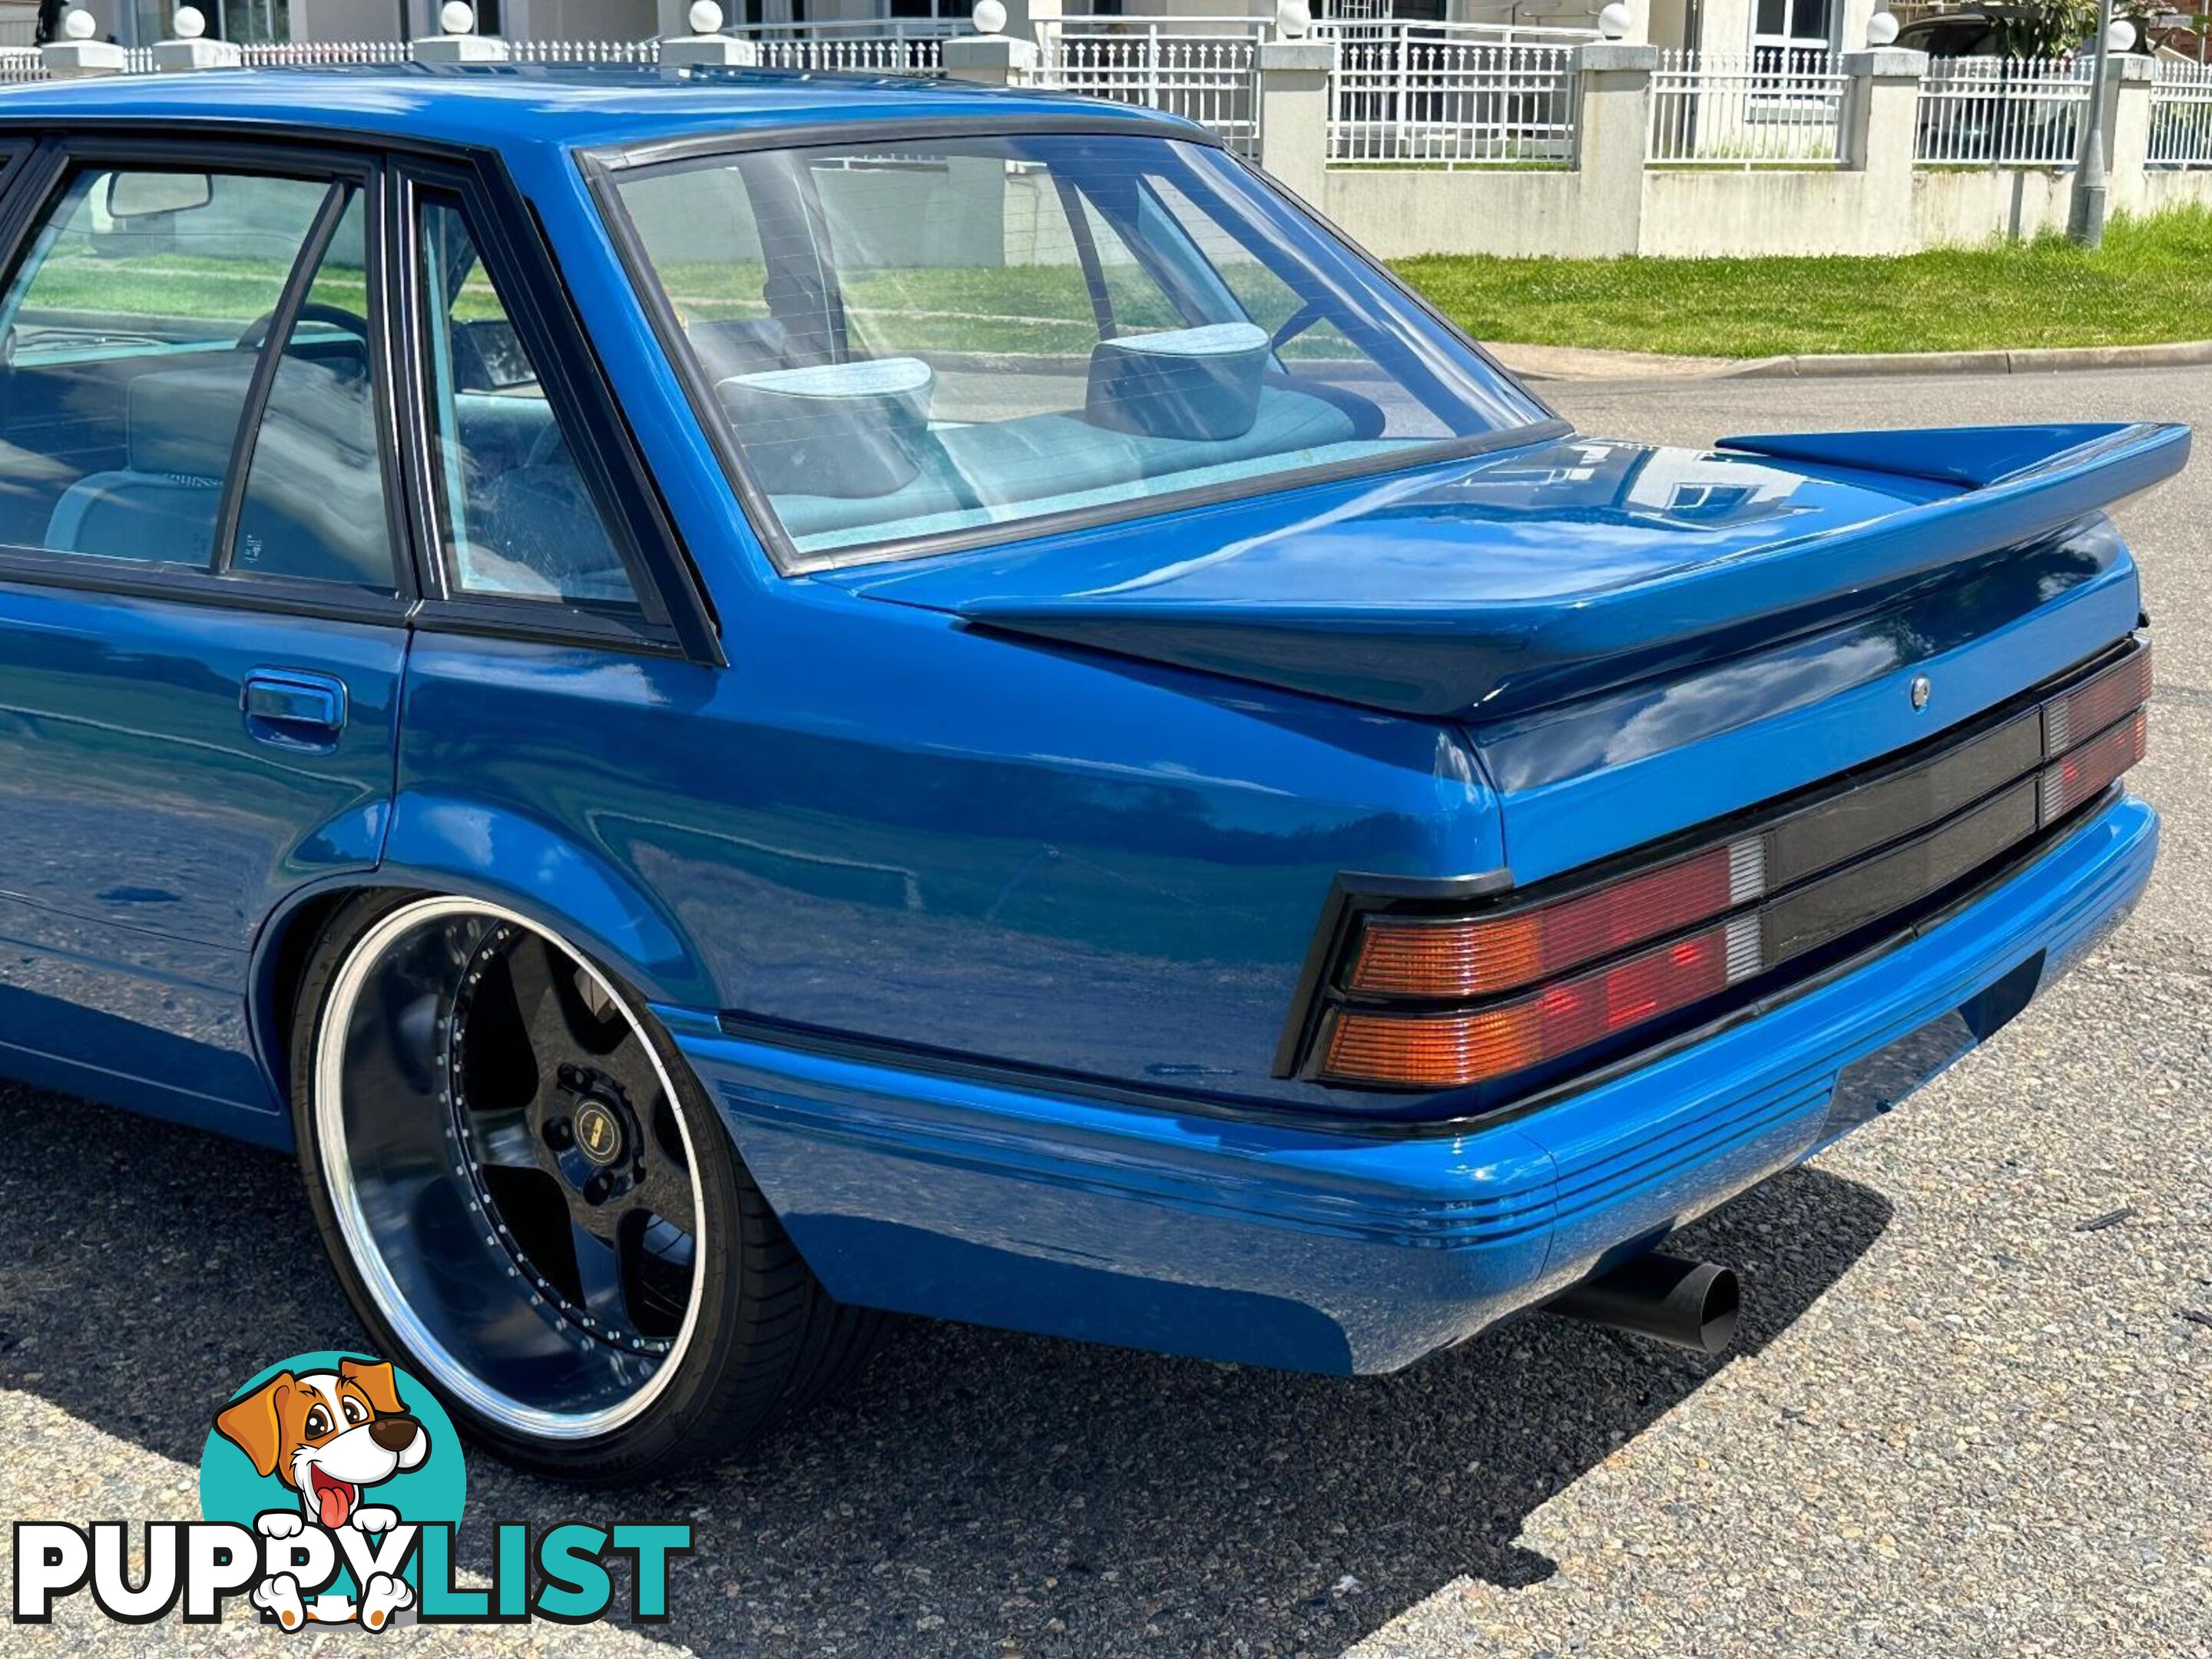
1393,647
1982,457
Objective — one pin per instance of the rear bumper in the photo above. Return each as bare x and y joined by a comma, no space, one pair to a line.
1327,1251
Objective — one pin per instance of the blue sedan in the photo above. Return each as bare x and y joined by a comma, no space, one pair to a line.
736,702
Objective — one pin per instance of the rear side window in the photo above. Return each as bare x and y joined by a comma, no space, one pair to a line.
514,515
146,318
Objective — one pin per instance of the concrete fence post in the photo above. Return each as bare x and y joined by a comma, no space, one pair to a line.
172,55
1879,137
1881,110
76,56
2127,128
991,60
190,49
705,46
1881,134
460,42
1294,114
1612,125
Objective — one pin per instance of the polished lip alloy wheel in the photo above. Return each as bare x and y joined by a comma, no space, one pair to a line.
511,1168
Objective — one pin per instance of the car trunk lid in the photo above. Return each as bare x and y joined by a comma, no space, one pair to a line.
1635,639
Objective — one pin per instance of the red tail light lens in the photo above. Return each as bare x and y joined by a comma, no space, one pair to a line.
2088,710
1419,958
1449,1051
2093,767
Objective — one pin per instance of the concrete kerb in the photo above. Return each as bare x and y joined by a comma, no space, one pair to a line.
1571,363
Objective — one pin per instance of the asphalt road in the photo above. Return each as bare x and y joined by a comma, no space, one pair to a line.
1957,1423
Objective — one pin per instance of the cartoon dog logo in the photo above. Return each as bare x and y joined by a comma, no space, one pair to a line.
329,1435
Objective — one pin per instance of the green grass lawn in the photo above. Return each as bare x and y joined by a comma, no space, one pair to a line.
2151,281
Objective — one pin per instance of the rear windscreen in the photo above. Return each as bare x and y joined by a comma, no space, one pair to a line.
910,342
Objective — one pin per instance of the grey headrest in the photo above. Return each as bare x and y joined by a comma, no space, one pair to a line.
848,430
185,421
1183,383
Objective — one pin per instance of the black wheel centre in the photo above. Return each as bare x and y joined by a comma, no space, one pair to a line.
561,1128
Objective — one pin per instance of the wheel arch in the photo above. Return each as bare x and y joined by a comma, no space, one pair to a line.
473,851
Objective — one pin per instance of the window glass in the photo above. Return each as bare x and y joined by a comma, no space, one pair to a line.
912,340
126,350
314,495
1311,341
514,515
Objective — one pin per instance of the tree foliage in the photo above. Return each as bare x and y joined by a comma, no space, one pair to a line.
2057,29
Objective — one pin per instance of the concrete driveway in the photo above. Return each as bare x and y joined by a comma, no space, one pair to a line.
1957,1422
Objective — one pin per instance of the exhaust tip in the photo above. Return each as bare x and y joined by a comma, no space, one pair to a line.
1690,1304
1723,1301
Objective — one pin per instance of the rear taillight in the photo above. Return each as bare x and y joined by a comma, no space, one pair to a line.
2089,709
2085,773
1478,958
1535,983
1451,1049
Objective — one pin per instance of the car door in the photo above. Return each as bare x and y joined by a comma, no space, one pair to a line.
202,597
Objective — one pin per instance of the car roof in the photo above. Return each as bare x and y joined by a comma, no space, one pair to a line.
501,107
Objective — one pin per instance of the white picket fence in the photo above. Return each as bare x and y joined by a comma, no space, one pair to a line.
2181,115
1204,69
893,46
321,54
2001,112
1380,24
583,53
1427,95
1778,106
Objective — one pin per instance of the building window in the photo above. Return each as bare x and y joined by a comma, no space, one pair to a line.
1799,23
254,22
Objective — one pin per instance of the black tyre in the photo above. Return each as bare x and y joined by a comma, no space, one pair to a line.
531,1204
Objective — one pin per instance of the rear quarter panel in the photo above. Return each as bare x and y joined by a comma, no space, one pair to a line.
877,822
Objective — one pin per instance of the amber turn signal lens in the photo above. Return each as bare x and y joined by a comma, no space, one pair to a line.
1410,957
1449,1051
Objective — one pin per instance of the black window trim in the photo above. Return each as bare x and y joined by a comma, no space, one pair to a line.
672,616
269,358
32,190
604,170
